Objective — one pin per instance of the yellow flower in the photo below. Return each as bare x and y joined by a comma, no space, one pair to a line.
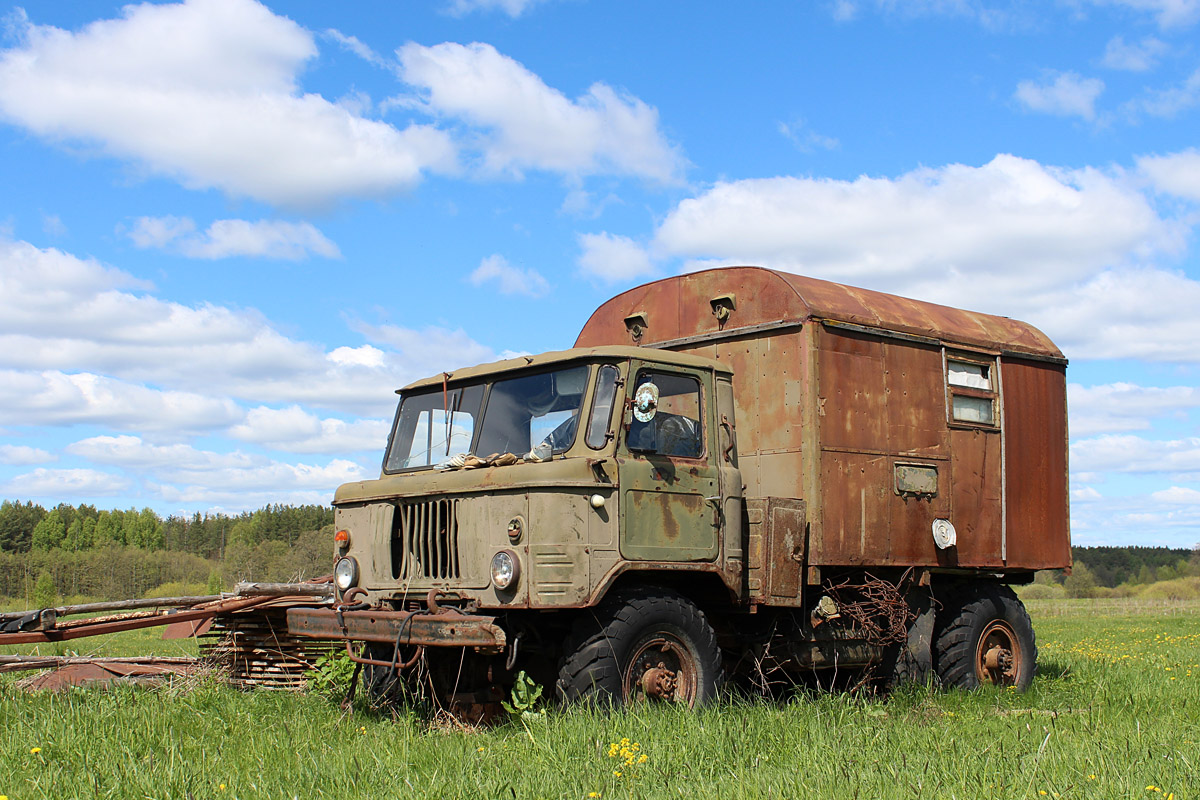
616,773
479,750
222,787
590,794
1041,791
35,750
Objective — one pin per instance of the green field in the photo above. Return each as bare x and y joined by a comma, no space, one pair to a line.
1114,712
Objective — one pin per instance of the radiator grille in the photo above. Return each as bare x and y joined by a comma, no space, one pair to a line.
425,540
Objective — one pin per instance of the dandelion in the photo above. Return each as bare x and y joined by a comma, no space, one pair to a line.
1091,777
478,749
1042,791
35,750
617,773
222,787
590,794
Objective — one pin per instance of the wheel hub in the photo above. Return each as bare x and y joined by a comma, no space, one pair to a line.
998,655
658,681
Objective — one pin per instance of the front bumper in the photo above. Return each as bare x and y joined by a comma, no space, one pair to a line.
447,628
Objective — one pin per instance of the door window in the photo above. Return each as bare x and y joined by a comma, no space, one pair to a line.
675,429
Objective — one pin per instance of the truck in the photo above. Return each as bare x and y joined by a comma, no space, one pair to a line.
733,473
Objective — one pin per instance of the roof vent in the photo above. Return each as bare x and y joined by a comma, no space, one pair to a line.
636,324
722,306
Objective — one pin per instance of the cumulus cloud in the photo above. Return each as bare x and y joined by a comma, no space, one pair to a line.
1011,220
227,238
612,258
20,455
56,398
532,126
1120,407
295,430
58,483
495,269
1138,455
206,92
182,473
1177,495
1133,56
69,329
1177,173
1065,94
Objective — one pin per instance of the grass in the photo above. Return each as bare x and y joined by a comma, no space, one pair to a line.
1114,713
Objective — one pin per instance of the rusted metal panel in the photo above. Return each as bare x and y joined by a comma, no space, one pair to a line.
916,416
853,396
1035,422
776,555
976,513
855,492
448,629
108,672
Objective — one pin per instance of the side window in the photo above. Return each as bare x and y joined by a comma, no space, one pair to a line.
602,405
676,429
972,390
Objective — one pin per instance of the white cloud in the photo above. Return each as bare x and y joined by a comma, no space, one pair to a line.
1010,223
1168,13
1085,495
613,258
60,315
182,473
804,138
57,398
1177,495
20,455
513,8
357,47
226,238
533,126
1171,102
1135,454
59,483
1177,173
295,430
206,92
509,279
1120,407
1065,94
1133,56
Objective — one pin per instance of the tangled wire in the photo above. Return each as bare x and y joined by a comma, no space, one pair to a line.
876,609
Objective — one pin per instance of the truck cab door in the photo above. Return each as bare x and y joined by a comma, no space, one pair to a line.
670,498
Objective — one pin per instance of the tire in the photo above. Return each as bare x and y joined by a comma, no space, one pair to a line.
985,638
641,646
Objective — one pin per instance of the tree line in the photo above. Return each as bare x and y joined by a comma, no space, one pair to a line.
83,552
28,527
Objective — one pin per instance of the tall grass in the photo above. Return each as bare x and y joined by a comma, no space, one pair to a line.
1115,710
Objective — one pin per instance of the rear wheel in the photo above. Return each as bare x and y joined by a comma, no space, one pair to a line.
985,637
642,646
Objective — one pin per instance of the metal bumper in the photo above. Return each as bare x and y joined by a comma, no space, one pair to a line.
446,629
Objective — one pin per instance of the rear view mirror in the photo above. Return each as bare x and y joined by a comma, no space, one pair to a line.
645,402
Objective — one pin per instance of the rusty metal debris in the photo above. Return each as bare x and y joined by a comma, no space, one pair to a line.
876,609
244,632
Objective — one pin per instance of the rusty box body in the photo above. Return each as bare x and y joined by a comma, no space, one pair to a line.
883,414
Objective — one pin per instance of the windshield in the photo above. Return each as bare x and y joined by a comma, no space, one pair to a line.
531,416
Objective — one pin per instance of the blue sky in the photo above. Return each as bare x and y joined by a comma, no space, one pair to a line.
228,230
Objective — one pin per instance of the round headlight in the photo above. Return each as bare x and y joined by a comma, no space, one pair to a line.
345,573
505,569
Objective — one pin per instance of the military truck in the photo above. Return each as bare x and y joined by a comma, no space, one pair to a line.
733,472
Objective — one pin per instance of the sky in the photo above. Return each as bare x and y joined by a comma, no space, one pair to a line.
229,230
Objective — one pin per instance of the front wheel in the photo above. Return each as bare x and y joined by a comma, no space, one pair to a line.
985,637
642,646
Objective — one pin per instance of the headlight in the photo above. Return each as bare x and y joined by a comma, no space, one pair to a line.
505,569
345,573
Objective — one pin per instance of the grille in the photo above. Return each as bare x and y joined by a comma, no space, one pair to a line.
425,540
